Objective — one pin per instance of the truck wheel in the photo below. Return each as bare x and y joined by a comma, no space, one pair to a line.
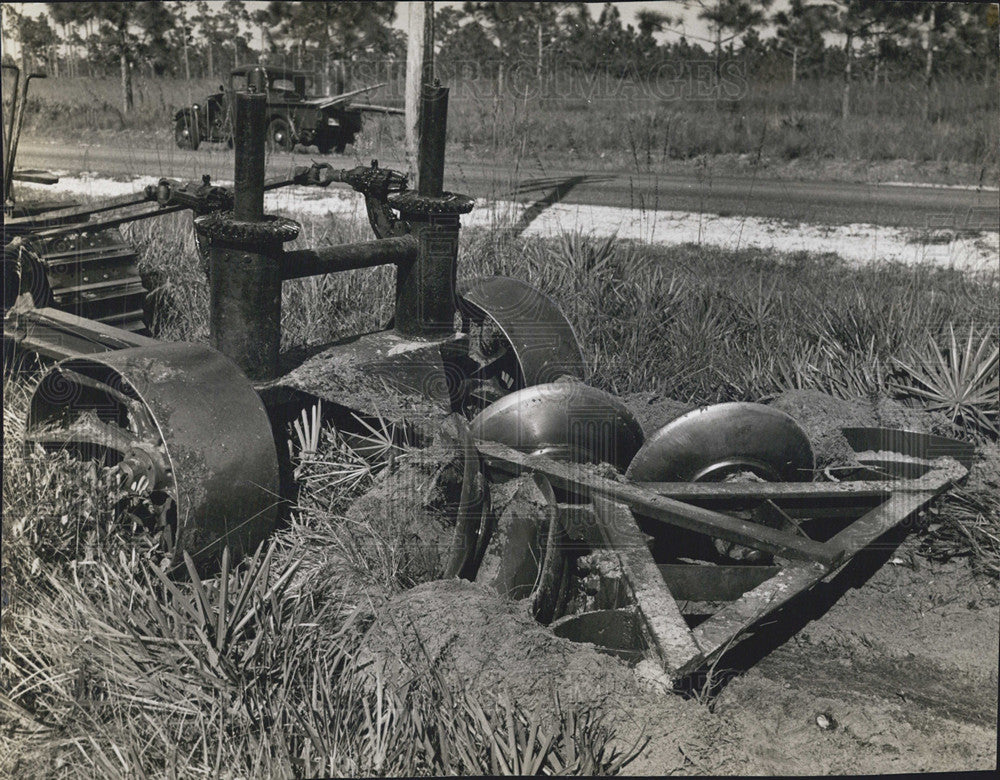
184,135
335,142
279,135
341,142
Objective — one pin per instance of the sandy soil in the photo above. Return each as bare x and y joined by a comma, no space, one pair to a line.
975,251
903,664
889,665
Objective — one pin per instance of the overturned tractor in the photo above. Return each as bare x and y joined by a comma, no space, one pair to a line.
610,535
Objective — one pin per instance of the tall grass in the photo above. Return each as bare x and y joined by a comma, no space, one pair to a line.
110,669
695,323
117,671
603,118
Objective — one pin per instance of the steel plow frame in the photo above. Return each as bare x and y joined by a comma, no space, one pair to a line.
603,513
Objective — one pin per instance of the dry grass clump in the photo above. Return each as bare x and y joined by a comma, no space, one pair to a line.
599,117
969,527
109,668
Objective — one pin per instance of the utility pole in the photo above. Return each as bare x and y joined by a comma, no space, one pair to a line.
419,70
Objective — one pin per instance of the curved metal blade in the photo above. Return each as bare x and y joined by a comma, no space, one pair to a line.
712,442
543,339
564,420
896,453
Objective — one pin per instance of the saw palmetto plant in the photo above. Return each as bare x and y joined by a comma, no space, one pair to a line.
961,380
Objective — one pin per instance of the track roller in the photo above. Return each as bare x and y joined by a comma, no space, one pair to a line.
181,421
518,335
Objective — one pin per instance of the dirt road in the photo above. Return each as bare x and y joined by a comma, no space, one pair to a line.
817,202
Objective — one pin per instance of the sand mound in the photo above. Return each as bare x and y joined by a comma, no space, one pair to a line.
476,640
414,505
468,637
822,416
653,411
984,476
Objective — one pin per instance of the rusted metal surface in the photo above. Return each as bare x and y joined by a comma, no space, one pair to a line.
516,546
245,292
73,214
893,453
203,197
348,257
752,591
383,373
544,343
193,404
795,499
377,184
245,256
917,494
563,420
720,630
551,591
430,155
425,287
667,631
57,335
87,272
909,443
470,509
694,582
585,485
249,133
713,442
615,631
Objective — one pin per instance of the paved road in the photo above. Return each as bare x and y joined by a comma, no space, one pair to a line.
834,203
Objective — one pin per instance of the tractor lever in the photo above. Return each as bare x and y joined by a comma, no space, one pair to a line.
375,183
203,198
368,180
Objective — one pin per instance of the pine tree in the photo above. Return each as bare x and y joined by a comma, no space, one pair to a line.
799,30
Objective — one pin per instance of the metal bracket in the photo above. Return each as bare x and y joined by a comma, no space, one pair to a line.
866,509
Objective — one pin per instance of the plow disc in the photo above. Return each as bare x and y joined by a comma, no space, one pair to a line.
715,442
183,425
518,334
563,420
737,475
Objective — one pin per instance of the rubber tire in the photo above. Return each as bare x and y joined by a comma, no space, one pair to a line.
335,142
182,137
279,135
342,142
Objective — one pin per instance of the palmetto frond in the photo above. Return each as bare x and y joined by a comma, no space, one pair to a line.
961,381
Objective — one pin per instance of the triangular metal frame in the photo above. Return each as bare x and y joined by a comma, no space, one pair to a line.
611,507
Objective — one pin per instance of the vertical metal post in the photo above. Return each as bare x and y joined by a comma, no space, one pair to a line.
433,123
425,287
244,254
248,142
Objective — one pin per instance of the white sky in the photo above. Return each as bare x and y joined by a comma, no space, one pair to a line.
693,27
